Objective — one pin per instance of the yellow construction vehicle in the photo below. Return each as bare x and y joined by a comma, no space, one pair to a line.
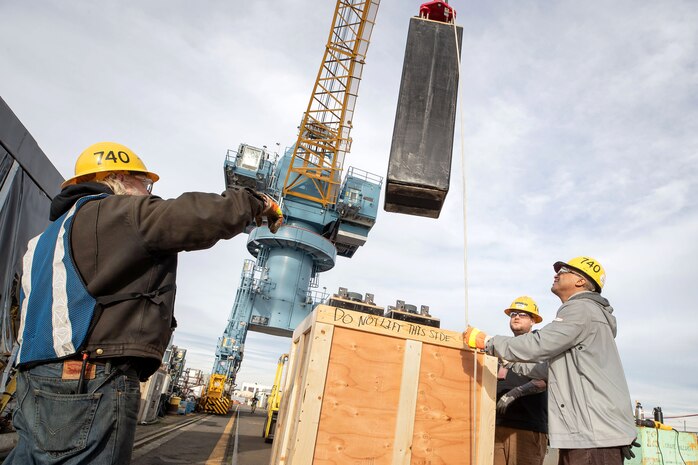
274,401
216,399
9,392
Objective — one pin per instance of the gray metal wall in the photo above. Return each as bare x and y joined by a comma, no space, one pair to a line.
28,183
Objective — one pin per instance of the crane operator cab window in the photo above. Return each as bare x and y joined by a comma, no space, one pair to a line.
250,157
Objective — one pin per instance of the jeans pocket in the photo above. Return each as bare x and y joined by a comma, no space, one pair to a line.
130,385
62,422
129,392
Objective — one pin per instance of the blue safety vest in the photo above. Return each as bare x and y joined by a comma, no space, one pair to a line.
56,307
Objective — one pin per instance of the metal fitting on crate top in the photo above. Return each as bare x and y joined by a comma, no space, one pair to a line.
401,311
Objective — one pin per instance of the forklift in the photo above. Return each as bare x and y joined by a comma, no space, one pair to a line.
274,402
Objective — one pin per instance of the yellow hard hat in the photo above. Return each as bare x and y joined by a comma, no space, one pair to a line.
525,304
103,158
589,267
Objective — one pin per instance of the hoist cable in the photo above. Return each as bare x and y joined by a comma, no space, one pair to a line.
474,412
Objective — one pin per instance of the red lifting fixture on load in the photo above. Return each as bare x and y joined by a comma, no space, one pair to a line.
437,10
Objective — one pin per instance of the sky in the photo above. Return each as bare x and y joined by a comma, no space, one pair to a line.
577,121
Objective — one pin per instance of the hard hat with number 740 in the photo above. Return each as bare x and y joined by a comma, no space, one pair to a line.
589,268
103,158
525,304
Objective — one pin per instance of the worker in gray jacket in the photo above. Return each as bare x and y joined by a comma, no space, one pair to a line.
590,416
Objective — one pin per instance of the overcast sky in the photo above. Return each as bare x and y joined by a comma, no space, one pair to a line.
579,129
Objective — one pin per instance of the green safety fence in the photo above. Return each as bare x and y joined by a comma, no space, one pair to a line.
663,447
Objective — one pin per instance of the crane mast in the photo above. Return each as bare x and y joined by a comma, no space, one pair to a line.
325,215
323,138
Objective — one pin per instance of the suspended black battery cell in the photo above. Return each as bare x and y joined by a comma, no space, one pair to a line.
419,169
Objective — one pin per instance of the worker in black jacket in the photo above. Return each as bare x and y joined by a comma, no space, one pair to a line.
97,302
520,435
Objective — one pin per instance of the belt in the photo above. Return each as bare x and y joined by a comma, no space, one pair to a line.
85,369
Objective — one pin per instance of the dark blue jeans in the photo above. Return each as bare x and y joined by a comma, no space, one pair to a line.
56,426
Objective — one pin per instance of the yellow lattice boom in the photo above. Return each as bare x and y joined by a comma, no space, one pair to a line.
323,138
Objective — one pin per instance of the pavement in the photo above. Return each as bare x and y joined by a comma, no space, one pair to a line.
248,446
202,440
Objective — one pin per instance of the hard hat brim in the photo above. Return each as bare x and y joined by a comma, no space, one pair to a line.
74,180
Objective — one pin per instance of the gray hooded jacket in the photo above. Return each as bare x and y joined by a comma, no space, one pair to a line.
589,403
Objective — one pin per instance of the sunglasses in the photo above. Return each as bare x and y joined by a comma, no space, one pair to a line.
147,182
521,314
564,270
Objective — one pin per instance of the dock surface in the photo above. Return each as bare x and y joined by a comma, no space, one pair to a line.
199,439
233,439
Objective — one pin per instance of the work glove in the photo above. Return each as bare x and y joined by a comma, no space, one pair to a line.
475,338
272,212
534,386
627,451
504,402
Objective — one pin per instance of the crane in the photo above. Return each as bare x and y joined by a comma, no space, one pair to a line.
325,216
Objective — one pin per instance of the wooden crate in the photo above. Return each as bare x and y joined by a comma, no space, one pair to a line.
368,390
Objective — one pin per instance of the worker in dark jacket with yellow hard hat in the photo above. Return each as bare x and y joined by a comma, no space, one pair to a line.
521,425
97,302
590,416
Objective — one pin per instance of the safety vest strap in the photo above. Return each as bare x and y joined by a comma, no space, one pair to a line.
56,306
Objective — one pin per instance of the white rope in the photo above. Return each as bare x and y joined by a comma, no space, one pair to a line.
474,412
463,176
473,442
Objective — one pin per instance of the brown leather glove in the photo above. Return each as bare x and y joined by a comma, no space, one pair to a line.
272,212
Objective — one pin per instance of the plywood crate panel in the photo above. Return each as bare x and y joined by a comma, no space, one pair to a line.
368,390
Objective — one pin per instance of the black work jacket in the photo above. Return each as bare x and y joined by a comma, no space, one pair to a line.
127,246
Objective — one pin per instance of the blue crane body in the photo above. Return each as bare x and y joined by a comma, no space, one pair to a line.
275,291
